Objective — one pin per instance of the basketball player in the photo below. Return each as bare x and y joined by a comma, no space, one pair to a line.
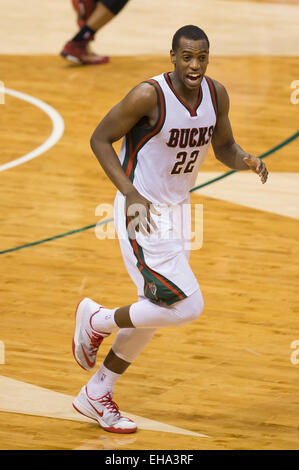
168,123
92,16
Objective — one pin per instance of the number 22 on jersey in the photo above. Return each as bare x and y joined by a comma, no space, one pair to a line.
181,166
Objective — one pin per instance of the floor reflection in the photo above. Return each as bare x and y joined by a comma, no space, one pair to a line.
106,443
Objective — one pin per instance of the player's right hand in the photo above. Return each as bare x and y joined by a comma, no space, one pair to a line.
138,212
258,166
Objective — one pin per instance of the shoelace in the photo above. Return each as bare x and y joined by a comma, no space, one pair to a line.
95,341
107,401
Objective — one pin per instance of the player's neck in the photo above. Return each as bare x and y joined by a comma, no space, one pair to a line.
188,95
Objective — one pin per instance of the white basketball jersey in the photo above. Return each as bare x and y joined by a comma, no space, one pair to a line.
163,161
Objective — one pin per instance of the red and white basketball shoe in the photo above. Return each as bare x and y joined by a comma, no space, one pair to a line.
77,51
86,340
104,411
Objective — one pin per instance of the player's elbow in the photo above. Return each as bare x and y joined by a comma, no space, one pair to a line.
100,140
96,143
93,141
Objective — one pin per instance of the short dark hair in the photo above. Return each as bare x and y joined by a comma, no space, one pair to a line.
189,32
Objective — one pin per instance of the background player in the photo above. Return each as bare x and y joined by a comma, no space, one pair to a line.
92,16
168,124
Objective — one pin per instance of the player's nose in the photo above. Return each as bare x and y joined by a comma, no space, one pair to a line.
195,65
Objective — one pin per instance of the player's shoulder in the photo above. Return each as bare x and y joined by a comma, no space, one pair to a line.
141,98
143,91
219,87
221,96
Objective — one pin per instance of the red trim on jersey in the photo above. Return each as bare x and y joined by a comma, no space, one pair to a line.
135,249
148,136
192,111
212,91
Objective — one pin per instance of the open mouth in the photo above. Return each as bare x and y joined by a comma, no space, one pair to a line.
193,77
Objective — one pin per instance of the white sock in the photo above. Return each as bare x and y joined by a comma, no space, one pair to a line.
101,382
104,320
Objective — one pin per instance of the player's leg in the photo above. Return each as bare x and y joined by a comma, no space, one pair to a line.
92,16
95,398
96,13
85,332
84,9
139,322
95,322
177,295
143,316
147,314
129,343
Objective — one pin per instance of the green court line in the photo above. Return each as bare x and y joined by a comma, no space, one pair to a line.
264,155
103,222
62,235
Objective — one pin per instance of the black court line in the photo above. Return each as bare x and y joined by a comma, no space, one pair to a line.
103,222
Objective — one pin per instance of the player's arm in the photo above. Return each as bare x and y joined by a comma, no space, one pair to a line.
141,102
119,121
225,148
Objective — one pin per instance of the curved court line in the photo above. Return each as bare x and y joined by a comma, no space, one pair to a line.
57,131
62,235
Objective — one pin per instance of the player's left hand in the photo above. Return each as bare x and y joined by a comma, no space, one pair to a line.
258,166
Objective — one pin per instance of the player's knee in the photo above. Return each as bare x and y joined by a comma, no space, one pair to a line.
190,308
196,307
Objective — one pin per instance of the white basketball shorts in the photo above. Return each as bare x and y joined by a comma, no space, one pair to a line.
158,263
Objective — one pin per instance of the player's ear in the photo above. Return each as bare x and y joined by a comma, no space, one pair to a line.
172,57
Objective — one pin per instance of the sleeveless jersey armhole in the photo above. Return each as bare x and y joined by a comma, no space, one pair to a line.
160,103
213,93
139,136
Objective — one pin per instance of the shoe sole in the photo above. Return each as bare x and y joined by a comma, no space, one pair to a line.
71,58
76,60
85,412
78,320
